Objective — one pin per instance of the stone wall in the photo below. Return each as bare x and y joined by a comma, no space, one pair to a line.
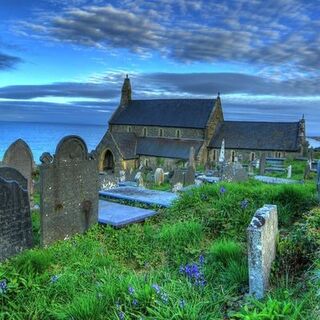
15,217
245,155
262,236
165,163
69,191
185,133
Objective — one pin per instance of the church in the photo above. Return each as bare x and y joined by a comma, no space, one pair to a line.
162,132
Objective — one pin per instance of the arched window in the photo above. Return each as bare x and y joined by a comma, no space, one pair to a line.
178,133
160,132
252,156
233,155
214,155
145,132
129,129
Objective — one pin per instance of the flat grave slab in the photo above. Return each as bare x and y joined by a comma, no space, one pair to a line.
273,180
137,194
119,215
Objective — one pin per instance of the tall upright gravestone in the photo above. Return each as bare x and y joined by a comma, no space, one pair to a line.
19,156
69,187
15,218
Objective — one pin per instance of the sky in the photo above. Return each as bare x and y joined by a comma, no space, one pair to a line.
65,60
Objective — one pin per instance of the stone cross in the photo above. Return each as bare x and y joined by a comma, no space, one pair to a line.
318,179
289,172
222,152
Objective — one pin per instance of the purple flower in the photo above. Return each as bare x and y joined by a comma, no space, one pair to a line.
54,279
135,302
201,260
223,190
121,315
131,290
194,273
156,288
244,204
182,303
3,286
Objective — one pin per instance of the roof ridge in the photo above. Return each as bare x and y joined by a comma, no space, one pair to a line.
269,122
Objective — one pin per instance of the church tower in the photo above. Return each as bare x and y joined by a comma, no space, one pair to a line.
125,92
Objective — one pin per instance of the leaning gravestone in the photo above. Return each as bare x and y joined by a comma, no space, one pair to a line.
159,176
262,234
15,218
19,156
69,190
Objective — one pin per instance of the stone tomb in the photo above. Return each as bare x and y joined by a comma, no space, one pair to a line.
262,235
19,156
15,218
119,215
69,190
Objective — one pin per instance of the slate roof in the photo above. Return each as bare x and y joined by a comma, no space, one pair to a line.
282,136
181,113
167,148
127,143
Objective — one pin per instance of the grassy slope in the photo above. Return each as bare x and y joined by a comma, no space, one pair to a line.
152,270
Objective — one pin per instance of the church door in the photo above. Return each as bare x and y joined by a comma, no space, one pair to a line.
108,162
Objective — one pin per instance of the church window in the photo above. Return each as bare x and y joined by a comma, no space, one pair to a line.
129,128
160,132
145,132
233,156
277,154
178,133
252,156
214,155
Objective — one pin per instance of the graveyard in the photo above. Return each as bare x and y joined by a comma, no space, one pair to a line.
219,244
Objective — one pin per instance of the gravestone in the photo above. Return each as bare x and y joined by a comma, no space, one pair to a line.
15,217
69,191
262,235
222,152
19,156
159,176
262,166
234,172
192,162
122,176
139,179
289,174
318,179
307,171
189,176
178,177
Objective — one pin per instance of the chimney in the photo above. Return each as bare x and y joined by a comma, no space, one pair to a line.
125,92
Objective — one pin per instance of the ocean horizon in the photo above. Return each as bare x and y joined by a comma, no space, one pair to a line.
44,137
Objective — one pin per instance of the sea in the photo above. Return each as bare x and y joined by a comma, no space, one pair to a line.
44,137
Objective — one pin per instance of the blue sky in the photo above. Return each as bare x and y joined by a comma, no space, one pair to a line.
64,60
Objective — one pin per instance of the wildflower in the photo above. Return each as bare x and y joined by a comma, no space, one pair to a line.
131,290
182,303
164,297
194,273
135,302
3,286
156,288
121,315
244,204
223,190
201,260
54,279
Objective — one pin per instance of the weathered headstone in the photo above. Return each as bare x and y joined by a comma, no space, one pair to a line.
289,174
262,234
69,191
122,176
222,152
318,179
15,217
159,176
192,162
19,156
307,170
262,165
234,172
189,176
178,177
139,179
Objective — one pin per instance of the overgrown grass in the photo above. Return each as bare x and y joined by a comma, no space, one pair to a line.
189,262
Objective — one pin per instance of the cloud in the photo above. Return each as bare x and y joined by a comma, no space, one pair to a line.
8,61
65,89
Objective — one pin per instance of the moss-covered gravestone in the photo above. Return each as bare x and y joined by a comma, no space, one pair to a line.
69,190
15,218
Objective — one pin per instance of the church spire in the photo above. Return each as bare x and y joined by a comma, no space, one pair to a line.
125,92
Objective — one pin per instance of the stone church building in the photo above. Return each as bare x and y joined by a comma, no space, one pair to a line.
161,132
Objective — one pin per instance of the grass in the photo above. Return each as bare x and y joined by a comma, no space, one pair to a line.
189,262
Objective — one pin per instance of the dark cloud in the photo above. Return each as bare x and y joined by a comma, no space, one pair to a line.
66,89
8,61
276,33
